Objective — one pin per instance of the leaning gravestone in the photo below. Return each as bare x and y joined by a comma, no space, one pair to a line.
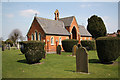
81,60
74,49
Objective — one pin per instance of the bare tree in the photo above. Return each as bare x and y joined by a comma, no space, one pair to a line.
1,38
22,38
15,35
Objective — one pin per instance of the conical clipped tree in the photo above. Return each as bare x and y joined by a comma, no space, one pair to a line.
96,27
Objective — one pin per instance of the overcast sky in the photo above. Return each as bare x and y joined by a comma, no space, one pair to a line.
20,14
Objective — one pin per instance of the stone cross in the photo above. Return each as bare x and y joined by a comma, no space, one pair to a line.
81,60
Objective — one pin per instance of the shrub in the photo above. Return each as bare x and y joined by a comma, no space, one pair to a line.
22,49
108,48
68,44
59,49
8,41
34,51
88,44
44,54
96,26
118,35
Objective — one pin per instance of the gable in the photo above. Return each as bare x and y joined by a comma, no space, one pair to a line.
74,24
67,20
35,27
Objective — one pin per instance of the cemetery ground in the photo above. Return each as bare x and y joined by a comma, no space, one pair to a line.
54,66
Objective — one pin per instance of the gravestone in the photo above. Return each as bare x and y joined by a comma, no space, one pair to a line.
18,46
81,60
74,49
3,47
8,46
58,50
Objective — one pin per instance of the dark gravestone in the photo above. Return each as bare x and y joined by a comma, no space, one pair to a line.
3,47
59,49
74,49
81,60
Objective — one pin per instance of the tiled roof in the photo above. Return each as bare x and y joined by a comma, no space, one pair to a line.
67,20
83,31
52,26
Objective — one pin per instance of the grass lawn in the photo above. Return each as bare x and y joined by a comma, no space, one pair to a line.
54,66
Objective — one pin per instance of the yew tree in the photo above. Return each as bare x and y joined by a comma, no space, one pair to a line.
96,26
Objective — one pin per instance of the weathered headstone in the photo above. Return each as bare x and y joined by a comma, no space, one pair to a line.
58,50
8,46
81,60
74,49
18,46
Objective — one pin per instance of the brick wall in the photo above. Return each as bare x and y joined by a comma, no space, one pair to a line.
52,48
86,38
35,27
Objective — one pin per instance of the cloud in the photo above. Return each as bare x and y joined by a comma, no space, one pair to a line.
9,15
28,12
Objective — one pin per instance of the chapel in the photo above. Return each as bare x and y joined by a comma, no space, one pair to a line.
52,32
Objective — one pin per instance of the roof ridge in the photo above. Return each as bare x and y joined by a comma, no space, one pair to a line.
46,18
67,17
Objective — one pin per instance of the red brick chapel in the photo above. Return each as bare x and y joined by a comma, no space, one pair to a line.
52,32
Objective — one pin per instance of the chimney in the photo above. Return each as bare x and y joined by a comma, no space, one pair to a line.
56,14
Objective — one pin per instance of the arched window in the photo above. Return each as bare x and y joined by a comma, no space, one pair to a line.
36,35
52,41
59,40
39,36
32,37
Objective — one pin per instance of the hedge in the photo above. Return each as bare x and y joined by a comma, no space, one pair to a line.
89,44
34,51
8,41
108,48
68,44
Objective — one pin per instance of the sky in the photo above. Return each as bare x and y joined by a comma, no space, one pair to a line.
19,15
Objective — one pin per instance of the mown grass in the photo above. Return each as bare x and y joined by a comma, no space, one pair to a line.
54,66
